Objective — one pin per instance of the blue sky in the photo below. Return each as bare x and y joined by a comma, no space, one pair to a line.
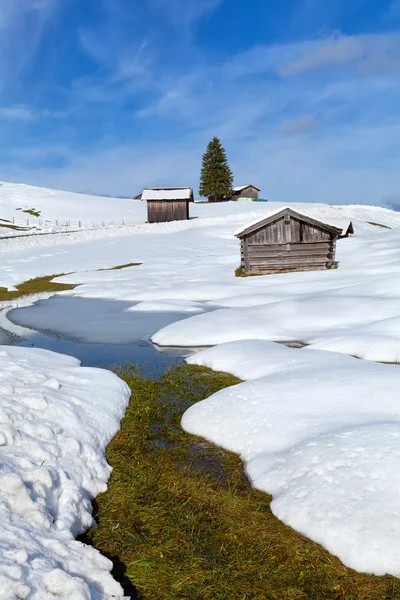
114,95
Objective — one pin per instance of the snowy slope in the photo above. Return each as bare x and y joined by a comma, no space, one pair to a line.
60,206
57,208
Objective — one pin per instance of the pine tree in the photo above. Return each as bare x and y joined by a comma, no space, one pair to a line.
216,177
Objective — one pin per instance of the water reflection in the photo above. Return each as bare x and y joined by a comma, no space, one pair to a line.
99,333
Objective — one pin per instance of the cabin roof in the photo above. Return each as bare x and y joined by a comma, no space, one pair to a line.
272,217
240,188
168,193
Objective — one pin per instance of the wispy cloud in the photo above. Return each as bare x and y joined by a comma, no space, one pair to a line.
22,23
301,125
185,13
368,53
140,118
17,113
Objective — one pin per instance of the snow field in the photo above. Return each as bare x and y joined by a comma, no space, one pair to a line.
321,433
55,421
319,430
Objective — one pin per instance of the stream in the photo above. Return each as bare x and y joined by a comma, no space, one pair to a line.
100,333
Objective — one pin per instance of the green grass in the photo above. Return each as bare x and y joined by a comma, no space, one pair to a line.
180,520
119,267
45,284
31,211
240,272
35,286
379,225
17,227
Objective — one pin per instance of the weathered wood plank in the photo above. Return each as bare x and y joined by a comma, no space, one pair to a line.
309,246
160,211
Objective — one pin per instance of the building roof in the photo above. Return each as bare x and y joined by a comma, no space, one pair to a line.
240,188
255,226
168,193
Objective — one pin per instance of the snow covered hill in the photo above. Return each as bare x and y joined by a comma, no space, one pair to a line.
40,209
45,208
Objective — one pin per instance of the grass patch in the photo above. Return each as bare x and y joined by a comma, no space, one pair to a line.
240,272
119,267
35,286
31,211
181,522
11,226
5,220
379,225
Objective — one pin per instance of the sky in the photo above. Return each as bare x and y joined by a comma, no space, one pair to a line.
110,96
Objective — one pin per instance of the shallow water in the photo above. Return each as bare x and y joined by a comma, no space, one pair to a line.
93,321
99,333
152,362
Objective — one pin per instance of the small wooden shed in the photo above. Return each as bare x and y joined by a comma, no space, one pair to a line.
167,204
287,241
245,191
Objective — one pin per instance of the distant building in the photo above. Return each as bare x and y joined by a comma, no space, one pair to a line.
288,241
245,191
167,204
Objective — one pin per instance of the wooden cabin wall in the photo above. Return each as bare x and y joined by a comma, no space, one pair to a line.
281,232
249,192
289,257
288,245
162,211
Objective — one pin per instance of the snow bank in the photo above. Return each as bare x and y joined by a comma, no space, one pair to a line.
55,420
319,431
167,194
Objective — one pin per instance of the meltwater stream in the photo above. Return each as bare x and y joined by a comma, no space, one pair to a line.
100,333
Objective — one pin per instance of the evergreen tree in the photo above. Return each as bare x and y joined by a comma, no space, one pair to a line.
216,177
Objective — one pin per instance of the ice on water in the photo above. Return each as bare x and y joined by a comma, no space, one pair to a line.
96,321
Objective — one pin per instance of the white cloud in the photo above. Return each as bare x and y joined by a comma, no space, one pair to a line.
351,159
347,166
300,125
22,23
17,113
370,53
185,13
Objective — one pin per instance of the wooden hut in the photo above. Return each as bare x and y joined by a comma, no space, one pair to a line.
287,241
245,191
167,204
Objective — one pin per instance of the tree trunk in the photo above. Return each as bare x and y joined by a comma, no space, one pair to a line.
216,199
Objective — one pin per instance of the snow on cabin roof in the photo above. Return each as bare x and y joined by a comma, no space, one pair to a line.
243,187
167,193
254,225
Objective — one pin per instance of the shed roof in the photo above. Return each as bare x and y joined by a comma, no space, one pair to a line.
240,188
168,193
255,226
